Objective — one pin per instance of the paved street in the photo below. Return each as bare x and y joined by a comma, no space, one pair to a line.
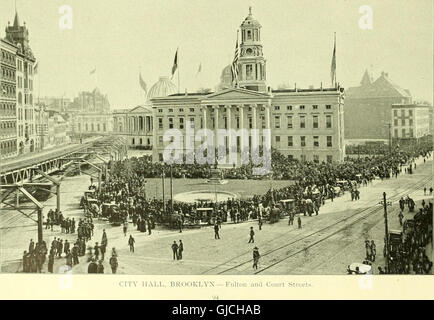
326,244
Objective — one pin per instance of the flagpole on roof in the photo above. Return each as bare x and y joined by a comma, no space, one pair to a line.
335,62
178,68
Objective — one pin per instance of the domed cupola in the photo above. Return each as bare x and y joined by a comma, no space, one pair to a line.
162,88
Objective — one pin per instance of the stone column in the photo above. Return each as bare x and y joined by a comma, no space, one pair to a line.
216,127
267,115
253,106
241,108
229,127
154,137
204,117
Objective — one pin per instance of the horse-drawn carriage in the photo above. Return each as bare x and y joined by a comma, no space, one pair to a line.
287,206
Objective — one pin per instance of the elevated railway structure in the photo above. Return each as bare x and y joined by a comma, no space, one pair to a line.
19,176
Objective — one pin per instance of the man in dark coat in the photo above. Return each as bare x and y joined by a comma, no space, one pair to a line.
50,262
93,267
175,250
252,234
216,231
96,250
131,242
180,249
75,252
66,247
31,246
59,248
256,256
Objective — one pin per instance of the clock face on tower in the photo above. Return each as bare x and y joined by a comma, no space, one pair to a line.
249,52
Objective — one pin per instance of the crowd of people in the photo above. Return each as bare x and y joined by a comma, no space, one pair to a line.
313,183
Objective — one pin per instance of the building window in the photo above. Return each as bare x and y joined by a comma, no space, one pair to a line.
329,141
276,108
302,122
328,106
301,107
289,108
133,142
250,123
263,122
277,141
160,157
181,109
160,123
226,122
396,133
290,141
289,120
315,122
315,107
328,121
104,127
403,133
160,110
191,109
403,121
303,141
277,122
329,159
160,141
249,72
170,123
410,122
238,122
303,158
410,112
170,110
316,158
411,133
181,123
395,122
315,141
191,123
395,113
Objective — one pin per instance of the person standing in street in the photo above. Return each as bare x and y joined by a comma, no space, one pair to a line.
216,231
51,262
373,250
93,267
114,263
299,222
125,228
96,250
252,235
260,223
131,242
100,268
175,250
180,249
256,256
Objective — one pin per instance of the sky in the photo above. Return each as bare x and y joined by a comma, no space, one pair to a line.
121,38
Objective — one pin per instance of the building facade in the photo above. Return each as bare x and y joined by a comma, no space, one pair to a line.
367,107
135,125
18,34
410,121
8,101
305,124
89,114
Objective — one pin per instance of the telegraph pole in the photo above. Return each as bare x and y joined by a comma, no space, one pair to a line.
171,189
164,198
386,229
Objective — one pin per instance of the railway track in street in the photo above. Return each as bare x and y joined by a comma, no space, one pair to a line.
300,245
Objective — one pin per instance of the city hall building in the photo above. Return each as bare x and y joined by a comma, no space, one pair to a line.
305,124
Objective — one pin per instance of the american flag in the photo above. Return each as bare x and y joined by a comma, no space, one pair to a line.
333,66
234,68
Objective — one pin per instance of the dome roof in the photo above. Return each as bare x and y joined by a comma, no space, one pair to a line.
162,88
250,21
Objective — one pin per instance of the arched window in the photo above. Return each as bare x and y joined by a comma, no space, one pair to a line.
20,98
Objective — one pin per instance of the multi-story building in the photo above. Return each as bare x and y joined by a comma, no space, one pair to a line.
367,107
136,124
25,62
410,121
8,103
306,124
89,114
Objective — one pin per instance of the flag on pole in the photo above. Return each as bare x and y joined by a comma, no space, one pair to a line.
333,66
92,71
35,68
142,83
199,69
234,67
175,63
